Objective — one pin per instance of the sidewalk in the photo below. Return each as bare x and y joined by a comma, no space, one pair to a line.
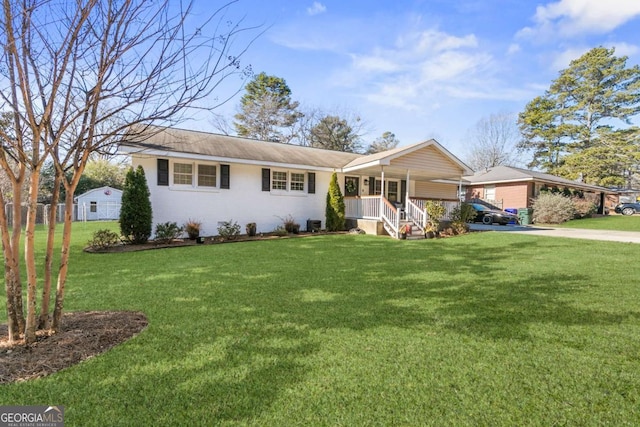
573,233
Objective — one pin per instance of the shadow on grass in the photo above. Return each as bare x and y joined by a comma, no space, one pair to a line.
235,328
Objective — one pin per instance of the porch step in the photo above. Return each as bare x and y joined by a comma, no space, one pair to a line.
416,232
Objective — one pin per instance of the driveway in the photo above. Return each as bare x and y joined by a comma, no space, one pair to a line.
573,233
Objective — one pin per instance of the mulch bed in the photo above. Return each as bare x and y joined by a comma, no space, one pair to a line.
84,335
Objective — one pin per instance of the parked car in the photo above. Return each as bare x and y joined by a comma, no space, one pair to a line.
487,215
628,208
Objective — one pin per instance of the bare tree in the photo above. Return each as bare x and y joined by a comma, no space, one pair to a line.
494,142
77,77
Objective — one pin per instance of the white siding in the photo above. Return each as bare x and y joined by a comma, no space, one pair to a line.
107,202
243,202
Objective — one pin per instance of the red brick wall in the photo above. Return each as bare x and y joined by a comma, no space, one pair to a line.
514,195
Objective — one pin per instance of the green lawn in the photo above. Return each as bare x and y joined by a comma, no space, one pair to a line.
485,329
610,222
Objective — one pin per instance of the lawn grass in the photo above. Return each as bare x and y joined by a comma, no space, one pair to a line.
485,329
609,222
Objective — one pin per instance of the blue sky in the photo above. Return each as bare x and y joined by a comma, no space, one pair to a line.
432,68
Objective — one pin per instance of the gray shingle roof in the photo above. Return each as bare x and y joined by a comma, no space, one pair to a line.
172,140
512,174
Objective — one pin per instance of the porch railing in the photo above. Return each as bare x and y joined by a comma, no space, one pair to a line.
416,214
367,207
390,218
449,206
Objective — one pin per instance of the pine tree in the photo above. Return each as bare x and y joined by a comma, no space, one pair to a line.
135,214
335,220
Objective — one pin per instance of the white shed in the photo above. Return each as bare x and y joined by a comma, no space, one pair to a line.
99,204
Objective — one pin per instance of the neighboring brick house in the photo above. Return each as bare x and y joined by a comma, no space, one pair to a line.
509,187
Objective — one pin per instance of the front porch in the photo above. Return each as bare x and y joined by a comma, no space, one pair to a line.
377,215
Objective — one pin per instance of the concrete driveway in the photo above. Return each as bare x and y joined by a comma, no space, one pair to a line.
573,233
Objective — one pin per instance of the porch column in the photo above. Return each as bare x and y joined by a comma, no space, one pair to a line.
381,190
406,196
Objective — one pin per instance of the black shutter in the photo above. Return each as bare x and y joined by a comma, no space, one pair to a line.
372,185
403,190
224,177
311,187
163,172
266,179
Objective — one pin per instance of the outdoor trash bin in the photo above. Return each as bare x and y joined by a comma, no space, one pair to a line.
512,211
524,215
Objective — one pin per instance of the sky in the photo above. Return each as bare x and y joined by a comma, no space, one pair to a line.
427,68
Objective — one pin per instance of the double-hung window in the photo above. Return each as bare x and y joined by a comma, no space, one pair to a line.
297,182
183,173
278,180
206,176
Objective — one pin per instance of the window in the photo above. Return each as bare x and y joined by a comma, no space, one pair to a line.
377,187
392,191
93,207
206,176
278,180
183,173
297,182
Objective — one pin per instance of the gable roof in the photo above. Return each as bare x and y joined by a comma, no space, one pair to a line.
503,174
174,142
111,190
181,143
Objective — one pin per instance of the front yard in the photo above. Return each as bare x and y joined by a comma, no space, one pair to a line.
482,329
609,222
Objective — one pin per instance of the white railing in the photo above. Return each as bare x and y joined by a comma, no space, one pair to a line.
362,207
390,218
449,206
416,214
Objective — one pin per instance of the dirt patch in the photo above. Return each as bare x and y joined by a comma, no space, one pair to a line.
84,335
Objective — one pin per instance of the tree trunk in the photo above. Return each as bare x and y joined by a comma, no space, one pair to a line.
64,262
43,322
30,258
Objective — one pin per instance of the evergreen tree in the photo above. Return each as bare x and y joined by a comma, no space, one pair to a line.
335,220
387,141
586,101
335,133
267,111
135,213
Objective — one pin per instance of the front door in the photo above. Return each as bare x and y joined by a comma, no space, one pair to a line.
351,186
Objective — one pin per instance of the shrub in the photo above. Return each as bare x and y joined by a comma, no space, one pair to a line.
229,230
167,232
435,213
461,215
584,208
135,214
192,228
280,231
290,225
251,229
334,212
552,208
103,239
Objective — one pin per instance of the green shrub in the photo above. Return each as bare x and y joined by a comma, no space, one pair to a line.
135,214
168,231
229,230
461,216
435,213
103,239
280,231
335,219
552,208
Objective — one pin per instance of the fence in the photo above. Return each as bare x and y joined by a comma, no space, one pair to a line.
42,213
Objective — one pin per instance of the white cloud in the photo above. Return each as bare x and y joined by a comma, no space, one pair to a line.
316,8
513,48
562,59
421,68
569,18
